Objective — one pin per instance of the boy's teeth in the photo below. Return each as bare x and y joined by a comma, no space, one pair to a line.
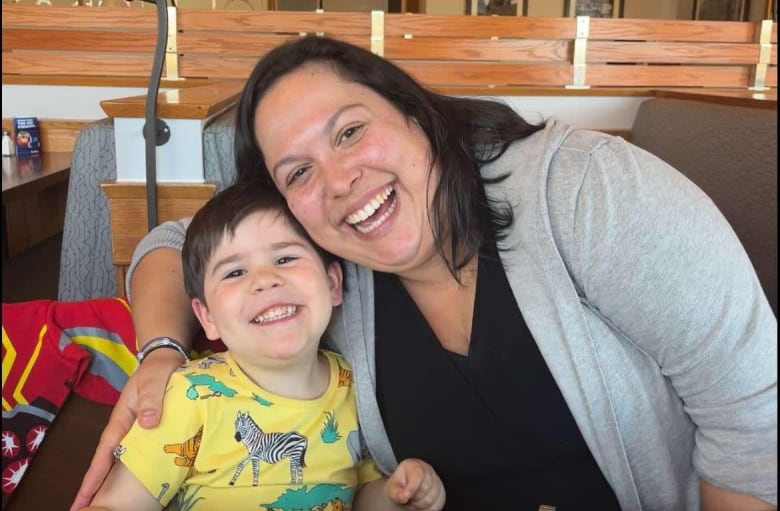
371,207
276,313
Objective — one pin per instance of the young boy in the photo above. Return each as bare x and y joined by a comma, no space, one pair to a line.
271,423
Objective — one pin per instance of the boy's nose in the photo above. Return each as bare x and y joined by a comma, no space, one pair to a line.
265,279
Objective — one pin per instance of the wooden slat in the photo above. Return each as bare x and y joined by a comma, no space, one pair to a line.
99,81
542,91
78,40
237,44
68,63
627,29
484,74
672,53
667,76
199,66
44,17
429,48
341,23
476,27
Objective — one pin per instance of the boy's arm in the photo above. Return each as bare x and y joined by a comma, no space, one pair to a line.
122,491
413,486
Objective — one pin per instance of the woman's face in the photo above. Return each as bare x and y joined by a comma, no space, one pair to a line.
354,171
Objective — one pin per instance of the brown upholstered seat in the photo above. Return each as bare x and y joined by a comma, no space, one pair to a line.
730,152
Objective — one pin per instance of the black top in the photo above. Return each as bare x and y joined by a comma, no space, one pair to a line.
493,424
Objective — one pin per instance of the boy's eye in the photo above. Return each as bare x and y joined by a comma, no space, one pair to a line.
296,174
285,259
235,273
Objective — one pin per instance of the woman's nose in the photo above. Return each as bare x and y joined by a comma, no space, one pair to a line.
339,176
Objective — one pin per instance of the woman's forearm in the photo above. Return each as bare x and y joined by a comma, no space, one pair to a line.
159,303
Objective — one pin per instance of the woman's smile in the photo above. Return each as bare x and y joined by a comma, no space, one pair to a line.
375,212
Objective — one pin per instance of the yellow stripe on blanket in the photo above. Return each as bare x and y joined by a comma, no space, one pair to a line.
118,353
30,363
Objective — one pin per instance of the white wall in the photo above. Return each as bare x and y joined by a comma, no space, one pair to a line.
61,101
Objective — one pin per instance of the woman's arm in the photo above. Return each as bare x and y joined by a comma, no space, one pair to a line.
160,307
653,256
122,491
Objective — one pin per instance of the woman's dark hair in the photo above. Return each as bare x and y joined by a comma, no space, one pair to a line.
464,134
220,217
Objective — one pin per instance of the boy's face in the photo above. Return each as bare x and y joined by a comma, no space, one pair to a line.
268,295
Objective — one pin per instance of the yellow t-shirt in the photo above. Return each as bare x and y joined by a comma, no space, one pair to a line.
224,443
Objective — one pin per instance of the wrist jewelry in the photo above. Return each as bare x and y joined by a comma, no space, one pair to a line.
162,342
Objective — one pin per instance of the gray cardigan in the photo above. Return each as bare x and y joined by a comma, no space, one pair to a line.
644,306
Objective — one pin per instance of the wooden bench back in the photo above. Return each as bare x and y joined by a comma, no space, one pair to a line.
78,42
449,52
541,52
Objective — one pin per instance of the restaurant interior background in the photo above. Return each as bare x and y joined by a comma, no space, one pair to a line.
734,10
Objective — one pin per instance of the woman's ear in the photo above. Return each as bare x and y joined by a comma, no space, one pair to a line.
202,313
335,277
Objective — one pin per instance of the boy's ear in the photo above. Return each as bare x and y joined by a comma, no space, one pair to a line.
335,277
202,313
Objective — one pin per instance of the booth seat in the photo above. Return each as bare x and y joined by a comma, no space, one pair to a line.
730,152
86,268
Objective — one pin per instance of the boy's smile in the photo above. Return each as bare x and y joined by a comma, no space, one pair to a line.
268,294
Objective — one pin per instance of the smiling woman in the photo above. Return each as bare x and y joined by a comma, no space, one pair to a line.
497,270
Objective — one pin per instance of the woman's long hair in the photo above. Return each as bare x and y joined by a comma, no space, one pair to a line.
464,134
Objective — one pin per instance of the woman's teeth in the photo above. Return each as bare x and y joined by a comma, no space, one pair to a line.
276,313
369,209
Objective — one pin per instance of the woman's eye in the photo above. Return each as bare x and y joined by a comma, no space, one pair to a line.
285,260
235,273
350,132
296,174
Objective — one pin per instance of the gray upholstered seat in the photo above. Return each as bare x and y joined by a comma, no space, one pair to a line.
86,270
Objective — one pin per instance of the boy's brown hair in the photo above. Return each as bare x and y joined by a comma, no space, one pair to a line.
220,217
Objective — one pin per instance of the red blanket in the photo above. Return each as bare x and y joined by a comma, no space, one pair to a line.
50,349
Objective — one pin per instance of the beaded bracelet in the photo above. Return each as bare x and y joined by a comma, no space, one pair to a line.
162,342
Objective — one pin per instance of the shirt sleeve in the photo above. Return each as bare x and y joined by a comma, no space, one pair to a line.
161,458
166,235
655,257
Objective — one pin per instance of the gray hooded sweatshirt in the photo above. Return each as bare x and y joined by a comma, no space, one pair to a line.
644,305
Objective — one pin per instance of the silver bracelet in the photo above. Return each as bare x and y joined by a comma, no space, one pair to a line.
162,342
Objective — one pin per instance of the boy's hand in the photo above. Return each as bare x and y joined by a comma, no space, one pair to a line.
415,485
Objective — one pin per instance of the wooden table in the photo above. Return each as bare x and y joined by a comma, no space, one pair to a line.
35,190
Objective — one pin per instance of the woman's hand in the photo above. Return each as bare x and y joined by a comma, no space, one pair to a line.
141,398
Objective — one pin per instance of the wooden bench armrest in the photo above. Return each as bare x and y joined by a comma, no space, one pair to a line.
127,209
